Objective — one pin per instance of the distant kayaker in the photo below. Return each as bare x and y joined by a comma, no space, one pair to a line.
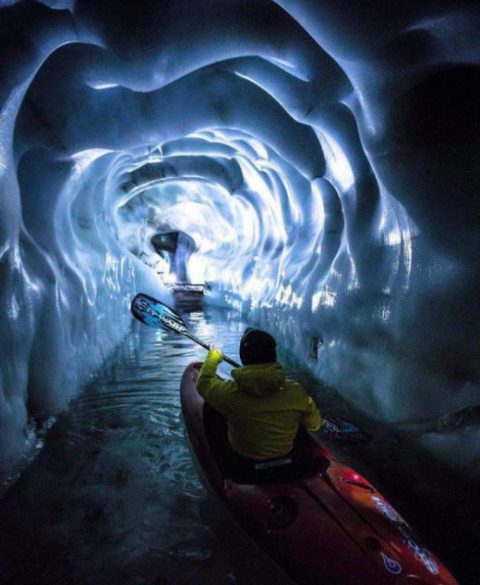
263,408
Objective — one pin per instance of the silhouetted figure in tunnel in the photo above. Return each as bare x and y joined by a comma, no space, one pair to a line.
177,247
263,409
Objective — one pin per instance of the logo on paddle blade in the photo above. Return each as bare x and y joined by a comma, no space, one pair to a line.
171,323
154,317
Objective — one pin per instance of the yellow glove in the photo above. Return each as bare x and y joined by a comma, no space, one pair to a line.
214,356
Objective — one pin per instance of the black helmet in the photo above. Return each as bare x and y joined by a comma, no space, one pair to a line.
257,347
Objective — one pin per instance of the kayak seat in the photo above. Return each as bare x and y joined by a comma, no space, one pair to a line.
302,462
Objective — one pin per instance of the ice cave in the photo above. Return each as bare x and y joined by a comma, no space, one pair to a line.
313,167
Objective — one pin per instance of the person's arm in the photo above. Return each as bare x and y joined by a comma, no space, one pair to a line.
210,387
311,418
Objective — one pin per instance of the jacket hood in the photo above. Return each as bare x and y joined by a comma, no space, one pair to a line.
260,379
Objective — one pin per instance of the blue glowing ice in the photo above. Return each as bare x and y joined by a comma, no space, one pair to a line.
310,159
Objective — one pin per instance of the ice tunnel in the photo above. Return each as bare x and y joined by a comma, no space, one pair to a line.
321,159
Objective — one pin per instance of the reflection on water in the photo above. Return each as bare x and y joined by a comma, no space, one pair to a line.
113,496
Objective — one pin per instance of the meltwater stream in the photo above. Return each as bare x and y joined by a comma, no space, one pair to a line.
113,496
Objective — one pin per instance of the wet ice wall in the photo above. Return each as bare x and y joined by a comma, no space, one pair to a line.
322,155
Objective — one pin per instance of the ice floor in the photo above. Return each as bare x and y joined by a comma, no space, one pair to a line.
113,496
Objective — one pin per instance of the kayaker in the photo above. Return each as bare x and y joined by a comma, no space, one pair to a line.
263,408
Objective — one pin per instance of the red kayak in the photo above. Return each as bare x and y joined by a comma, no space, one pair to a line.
328,525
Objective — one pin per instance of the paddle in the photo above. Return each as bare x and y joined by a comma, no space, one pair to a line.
343,430
160,316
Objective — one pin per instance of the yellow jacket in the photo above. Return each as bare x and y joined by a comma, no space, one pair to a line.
262,406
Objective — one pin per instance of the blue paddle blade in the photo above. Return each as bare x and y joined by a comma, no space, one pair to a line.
155,314
343,430
338,425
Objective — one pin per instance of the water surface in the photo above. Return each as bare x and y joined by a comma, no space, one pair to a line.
113,496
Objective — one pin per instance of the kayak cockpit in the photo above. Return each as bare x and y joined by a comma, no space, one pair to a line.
306,459
319,521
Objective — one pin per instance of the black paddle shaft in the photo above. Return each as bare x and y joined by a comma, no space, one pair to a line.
206,346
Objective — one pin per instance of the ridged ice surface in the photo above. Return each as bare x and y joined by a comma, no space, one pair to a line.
321,155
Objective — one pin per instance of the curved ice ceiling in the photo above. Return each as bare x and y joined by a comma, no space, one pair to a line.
322,155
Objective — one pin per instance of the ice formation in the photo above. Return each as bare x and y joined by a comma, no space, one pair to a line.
321,156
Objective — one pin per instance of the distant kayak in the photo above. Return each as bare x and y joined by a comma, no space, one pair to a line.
187,294
325,526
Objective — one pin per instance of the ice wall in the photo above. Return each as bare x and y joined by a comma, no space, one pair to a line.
322,155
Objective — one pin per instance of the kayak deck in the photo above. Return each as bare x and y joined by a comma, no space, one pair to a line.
327,526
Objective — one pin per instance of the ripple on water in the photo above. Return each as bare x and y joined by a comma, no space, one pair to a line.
113,496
